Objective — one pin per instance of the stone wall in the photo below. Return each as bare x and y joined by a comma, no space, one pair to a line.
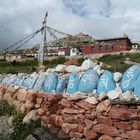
75,118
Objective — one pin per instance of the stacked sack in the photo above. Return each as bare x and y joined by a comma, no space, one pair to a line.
89,78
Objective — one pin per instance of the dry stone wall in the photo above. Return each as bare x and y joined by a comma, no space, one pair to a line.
75,118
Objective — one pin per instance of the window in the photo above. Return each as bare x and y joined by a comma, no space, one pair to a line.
100,47
107,46
113,47
92,48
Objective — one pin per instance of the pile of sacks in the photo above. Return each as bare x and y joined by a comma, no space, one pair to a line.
89,79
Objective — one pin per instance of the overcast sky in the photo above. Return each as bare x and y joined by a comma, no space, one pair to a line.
99,18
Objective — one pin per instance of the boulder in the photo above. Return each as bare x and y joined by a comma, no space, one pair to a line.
127,96
21,95
105,137
87,64
91,100
66,127
31,96
103,106
90,134
123,114
31,116
106,129
117,76
134,134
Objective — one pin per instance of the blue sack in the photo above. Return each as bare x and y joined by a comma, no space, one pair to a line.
137,86
73,83
88,81
38,86
62,82
1,78
50,83
129,78
106,83
16,82
11,80
5,80
28,83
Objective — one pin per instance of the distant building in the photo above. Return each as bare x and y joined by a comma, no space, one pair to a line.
68,52
135,46
18,57
109,45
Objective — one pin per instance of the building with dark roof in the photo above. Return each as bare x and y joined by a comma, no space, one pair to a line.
108,45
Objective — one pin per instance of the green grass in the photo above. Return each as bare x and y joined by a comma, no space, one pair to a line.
27,66
116,61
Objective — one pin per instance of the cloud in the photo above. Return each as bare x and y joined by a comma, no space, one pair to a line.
99,18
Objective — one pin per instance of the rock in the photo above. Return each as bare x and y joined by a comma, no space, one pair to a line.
31,96
71,62
136,125
127,96
102,96
103,106
106,129
73,68
60,68
76,97
123,114
104,120
91,100
31,116
17,104
105,137
29,105
117,76
46,119
23,108
85,105
39,101
8,98
90,135
68,118
65,103
134,134
2,91
73,111
41,112
75,135
87,64
31,137
66,127
10,121
21,95
88,123
81,128
113,94
56,120
123,125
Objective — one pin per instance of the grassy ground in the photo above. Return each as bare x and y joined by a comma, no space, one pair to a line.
116,61
28,66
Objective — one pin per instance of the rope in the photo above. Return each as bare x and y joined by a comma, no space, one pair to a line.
21,40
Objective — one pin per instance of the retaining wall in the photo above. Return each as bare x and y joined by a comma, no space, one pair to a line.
76,119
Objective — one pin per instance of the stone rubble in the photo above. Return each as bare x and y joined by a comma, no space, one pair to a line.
76,118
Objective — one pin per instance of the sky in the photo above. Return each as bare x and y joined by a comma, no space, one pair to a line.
98,18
